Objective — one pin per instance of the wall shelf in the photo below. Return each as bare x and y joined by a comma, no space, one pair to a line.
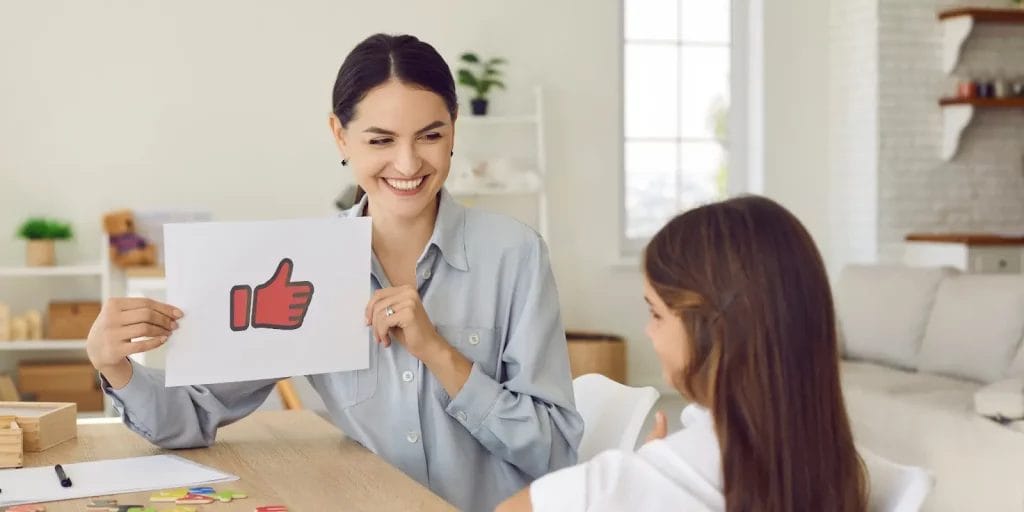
957,25
61,270
957,114
34,345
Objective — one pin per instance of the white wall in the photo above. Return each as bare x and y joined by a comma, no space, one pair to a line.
796,127
222,106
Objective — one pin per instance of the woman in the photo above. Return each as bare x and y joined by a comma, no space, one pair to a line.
741,318
474,400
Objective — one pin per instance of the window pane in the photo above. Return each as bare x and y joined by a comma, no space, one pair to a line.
650,186
704,91
651,90
705,21
704,173
652,19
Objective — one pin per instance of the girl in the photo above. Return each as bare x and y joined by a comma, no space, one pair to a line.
743,323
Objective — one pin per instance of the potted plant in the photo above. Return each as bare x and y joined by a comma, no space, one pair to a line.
41,234
487,75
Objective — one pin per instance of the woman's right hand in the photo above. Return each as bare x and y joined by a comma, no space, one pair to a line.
120,321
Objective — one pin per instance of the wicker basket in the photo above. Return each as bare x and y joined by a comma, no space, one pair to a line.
591,352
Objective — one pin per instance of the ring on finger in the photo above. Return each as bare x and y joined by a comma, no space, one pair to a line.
388,311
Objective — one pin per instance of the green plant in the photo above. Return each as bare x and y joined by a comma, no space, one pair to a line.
39,228
487,76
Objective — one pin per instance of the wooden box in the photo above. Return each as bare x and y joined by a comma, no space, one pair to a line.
71,320
43,424
12,451
597,353
62,382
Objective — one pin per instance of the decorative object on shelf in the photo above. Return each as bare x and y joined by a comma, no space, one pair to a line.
40,234
488,76
127,248
1017,88
34,321
71,320
19,328
5,322
8,391
492,176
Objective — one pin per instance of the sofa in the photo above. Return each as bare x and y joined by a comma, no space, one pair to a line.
918,344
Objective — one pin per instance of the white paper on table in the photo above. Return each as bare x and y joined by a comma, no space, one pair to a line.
205,261
104,477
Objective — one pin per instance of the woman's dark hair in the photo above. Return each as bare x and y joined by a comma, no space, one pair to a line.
380,58
750,287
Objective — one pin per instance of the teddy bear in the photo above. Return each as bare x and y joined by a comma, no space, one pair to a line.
127,248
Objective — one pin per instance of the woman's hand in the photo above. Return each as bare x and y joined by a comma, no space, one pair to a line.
120,321
407,321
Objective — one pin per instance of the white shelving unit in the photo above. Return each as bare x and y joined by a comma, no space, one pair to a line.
26,349
535,121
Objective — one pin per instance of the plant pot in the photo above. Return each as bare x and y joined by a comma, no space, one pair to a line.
479,107
40,253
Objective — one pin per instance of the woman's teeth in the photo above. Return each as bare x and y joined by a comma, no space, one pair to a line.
404,184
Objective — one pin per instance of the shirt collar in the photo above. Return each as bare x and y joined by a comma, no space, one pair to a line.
449,234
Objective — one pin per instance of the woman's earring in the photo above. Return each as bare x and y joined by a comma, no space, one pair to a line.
344,163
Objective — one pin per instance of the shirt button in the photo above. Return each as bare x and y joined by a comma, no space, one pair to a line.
412,437
426,274
462,416
407,376
474,339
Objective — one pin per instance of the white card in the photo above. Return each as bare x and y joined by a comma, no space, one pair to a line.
246,318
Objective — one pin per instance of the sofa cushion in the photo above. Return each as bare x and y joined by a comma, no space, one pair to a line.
928,420
975,327
883,311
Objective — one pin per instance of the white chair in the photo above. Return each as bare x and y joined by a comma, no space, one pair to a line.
613,413
895,487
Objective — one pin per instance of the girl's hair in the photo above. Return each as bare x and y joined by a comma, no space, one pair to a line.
750,287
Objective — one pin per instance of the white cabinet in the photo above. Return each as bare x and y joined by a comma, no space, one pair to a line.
983,256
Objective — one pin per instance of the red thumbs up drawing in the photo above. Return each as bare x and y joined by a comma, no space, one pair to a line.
279,303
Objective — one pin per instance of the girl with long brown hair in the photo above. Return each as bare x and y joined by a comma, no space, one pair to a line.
743,323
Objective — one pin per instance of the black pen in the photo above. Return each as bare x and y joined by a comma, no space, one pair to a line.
64,480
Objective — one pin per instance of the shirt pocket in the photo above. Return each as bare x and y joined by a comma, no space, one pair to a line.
479,344
354,387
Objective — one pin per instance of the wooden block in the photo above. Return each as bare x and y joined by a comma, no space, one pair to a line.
12,451
34,319
71,320
5,322
43,424
19,328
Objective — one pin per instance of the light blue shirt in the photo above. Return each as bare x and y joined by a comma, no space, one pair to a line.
485,281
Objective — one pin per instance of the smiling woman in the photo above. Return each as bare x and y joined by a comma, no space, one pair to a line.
468,389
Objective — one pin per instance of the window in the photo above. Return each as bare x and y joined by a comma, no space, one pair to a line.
678,57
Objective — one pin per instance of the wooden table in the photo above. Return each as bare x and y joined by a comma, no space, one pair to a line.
292,458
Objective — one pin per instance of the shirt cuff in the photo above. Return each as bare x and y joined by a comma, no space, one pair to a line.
475,400
564,490
137,393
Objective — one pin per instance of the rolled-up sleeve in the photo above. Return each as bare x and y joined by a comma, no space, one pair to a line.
185,416
527,416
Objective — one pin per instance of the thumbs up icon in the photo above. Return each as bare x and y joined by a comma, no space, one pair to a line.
279,303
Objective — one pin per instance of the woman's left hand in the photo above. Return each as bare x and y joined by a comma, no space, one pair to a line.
408,320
